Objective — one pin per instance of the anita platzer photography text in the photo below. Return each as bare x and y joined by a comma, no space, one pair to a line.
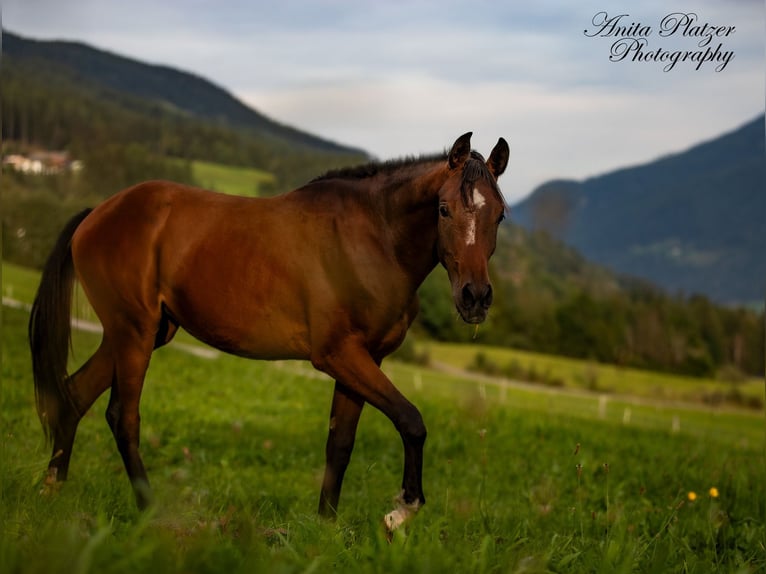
634,42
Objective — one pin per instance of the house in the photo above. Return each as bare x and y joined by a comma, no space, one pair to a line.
42,163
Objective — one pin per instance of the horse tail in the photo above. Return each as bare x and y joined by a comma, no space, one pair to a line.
50,330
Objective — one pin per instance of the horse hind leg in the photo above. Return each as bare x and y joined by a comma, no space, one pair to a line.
94,377
83,388
133,350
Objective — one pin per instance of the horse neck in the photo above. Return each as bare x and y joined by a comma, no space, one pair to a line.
410,207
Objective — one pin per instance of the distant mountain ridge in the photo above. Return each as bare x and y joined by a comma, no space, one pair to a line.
184,91
691,222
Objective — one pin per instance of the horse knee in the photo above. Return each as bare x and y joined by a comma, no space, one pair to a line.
412,427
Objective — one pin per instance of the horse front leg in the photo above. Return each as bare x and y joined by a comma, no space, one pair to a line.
344,417
354,368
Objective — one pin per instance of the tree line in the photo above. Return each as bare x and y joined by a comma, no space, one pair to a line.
549,299
122,139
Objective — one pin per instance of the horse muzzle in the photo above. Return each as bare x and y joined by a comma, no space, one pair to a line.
473,302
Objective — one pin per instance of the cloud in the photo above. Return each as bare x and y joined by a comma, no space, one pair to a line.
573,133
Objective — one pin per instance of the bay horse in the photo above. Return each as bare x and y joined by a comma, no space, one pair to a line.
327,273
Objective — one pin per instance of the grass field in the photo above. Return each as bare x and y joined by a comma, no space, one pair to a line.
595,377
230,179
235,452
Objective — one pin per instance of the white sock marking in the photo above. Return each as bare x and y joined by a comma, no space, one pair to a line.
401,514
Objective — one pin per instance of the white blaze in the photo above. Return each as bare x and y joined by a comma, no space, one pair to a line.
478,199
478,203
470,236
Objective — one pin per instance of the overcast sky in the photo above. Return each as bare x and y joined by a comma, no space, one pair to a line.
398,78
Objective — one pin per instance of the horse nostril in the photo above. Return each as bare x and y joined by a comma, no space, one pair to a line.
473,296
469,299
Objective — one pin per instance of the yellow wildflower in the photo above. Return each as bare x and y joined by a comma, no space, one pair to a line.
713,492
692,496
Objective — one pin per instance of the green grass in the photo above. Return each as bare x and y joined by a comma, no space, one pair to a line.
234,449
592,376
19,282
230,179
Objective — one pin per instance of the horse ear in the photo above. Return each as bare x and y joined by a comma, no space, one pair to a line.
498,159
460,151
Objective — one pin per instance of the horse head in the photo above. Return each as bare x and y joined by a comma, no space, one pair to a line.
470,210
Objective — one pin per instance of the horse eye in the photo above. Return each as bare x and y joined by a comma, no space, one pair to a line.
501,218
443,211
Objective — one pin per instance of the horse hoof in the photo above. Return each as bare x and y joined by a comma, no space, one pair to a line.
51,484
400,515
143,492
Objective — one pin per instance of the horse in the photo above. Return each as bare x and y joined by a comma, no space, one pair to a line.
327,273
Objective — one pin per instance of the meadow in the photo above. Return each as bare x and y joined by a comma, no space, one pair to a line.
612,380
230,179
517,478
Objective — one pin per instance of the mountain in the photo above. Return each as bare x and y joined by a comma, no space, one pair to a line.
690,222
174,89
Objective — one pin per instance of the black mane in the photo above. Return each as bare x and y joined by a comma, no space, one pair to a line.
475,168
378,167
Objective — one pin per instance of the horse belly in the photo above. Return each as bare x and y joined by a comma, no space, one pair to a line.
266,343
267,326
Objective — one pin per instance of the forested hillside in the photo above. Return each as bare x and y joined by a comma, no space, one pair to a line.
549,298
126,120
175,89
